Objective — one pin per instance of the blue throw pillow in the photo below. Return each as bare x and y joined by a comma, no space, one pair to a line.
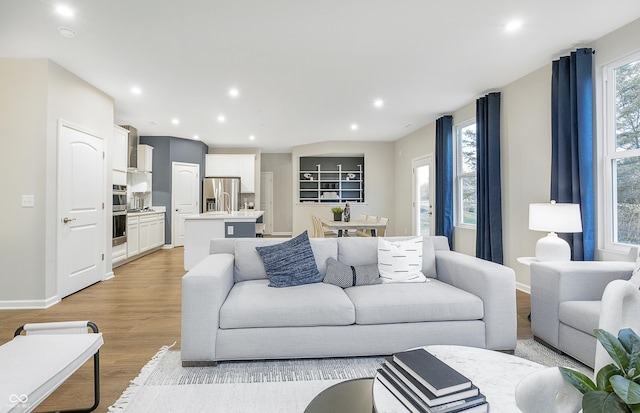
290,263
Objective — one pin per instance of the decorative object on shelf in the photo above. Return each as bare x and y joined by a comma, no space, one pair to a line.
618,384
347,213
350,176
553,218
308,176
337,213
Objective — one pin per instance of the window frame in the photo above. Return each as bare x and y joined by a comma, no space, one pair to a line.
608,154
460,175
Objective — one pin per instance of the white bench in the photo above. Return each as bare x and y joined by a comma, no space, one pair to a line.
32,366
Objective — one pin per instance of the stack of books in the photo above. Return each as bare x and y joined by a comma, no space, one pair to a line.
425,384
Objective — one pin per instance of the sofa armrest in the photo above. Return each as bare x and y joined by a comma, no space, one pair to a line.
204,289
494,284
555,282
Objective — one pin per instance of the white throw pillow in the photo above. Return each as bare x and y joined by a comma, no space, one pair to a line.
400,261
635,277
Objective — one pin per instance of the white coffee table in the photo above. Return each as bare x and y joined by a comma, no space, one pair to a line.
496,375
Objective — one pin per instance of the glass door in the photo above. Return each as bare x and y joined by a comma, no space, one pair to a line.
423,196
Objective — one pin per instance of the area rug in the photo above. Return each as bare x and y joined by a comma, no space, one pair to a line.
278,386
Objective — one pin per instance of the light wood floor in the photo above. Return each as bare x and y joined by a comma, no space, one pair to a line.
138,311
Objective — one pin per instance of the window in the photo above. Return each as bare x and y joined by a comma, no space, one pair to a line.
622,151
466,173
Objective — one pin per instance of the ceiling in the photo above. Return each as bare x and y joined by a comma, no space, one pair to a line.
306,71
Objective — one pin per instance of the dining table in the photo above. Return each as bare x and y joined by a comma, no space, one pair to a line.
354,224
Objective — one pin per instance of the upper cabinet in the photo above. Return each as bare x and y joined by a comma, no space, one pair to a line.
225,165
120,142
145,158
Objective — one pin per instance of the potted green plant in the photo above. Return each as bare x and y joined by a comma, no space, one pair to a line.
617,387
337,213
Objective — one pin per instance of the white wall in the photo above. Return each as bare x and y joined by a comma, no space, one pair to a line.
525,152
378,175
36,93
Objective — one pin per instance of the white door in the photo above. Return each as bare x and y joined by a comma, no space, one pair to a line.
266,200
423,190
81,210
185,198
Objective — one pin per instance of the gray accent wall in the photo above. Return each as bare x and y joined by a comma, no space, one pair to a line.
166,150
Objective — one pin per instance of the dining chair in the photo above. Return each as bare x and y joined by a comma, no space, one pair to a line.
318,229
382,231
367,232
360,232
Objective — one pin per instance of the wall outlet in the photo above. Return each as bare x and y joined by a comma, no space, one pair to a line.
230,230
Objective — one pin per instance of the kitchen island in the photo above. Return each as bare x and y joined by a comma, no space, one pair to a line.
200,229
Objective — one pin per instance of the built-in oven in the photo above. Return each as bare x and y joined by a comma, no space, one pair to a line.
119,198
119,228
119,215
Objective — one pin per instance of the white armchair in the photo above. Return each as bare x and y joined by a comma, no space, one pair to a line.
566,303
620,309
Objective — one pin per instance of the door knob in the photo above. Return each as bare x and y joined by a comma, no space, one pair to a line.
67,220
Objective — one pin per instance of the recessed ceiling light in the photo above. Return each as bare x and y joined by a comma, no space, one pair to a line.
175,121
252,138
67,32
354,126
378,103
221,118
136,90
65,11
196,137
234,93
513,25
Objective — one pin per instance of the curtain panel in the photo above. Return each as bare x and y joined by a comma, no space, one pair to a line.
444,178
572,144
489,188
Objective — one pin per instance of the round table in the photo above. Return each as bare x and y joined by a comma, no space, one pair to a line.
496,374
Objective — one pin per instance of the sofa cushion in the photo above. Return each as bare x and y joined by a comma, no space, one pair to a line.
254,304
290,263
581,315
364,250
345,276
400,260
405,303
249,266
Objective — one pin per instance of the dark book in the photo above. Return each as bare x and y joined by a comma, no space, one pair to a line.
421,391
433,373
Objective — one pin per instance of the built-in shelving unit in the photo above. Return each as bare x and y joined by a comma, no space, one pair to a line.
331,179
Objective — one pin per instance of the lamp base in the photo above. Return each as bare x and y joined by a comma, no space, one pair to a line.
553,248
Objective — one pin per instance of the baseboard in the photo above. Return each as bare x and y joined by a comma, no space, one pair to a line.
167,247
29,304
523,287
108,276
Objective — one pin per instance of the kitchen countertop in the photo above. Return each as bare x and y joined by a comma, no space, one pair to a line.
153,210
244,215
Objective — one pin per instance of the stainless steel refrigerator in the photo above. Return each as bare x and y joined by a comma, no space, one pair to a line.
221,194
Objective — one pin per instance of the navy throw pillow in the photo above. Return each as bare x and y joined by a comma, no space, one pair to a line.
290,263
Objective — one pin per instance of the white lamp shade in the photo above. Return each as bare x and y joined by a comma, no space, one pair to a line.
554,217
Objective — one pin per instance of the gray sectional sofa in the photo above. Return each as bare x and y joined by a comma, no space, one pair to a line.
230,313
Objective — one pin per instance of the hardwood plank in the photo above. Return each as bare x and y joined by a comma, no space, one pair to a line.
138,311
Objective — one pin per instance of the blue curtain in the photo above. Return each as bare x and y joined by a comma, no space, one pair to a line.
572,144
488,186
444,178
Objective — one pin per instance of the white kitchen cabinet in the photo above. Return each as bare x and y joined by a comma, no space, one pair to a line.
132,236
145,158
145,232
242,165
160,236
119,158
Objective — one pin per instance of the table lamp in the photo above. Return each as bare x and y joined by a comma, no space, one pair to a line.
554,218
